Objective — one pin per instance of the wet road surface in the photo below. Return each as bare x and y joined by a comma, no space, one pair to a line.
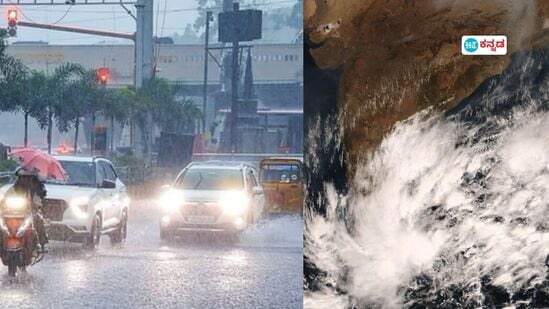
263,270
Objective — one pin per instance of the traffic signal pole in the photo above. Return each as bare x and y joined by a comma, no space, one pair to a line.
129,36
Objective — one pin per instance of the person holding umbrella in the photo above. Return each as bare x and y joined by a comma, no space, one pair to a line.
28,183
34,167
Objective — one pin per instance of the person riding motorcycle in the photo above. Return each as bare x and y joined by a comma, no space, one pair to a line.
30,185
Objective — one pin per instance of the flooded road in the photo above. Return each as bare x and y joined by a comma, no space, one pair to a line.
263,270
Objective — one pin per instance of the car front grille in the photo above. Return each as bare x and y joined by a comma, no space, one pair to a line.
201,209
54,209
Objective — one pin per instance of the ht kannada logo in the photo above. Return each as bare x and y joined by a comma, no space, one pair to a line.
484,45
470,45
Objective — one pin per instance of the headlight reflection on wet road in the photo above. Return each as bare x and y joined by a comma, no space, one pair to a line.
198,273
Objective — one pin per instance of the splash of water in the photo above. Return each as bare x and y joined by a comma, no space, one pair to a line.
438,212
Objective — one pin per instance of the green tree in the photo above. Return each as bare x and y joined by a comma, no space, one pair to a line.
55,96
85,97
120,109
11,68
75,106
178,116
13,82
34,92
168,112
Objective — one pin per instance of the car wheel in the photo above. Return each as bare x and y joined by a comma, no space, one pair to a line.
93,238
118,237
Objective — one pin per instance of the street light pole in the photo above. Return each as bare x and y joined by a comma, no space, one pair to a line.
144,63
234,83
206,45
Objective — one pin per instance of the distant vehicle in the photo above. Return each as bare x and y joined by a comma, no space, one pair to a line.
212,196
93,201
282,180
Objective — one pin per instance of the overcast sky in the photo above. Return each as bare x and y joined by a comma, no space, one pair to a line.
178,13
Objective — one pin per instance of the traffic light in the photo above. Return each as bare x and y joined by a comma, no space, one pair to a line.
12,22
103,75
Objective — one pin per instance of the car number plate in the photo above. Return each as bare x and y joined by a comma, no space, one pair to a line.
201,219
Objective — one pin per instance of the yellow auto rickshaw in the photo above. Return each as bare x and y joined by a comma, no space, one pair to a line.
282,180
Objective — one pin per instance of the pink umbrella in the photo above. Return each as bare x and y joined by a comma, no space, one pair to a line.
34,160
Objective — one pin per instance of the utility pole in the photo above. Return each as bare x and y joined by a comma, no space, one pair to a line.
144,64
234,83
206,51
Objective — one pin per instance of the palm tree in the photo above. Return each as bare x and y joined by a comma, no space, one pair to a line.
171,114
35,89
178,115
83,97
120,109
13,82
55,98
11,68
73,109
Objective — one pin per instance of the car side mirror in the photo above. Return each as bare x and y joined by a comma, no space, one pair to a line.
257,190
108,184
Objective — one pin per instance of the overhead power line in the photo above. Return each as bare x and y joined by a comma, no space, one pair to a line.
64,15
176,10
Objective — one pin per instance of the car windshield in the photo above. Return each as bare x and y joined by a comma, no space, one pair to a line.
79,173
280,173
210,179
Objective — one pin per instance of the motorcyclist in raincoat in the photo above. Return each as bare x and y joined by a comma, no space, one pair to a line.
31,185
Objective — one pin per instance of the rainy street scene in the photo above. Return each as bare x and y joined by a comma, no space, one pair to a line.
151,154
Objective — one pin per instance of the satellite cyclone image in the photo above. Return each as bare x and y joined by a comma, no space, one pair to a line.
424,195
398,57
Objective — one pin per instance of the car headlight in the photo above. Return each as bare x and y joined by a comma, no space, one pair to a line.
79,207
171,201
16,202
234,202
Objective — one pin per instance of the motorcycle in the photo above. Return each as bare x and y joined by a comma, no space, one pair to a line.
18,249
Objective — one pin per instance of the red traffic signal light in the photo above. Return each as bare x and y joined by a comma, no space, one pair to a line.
12,18
103,75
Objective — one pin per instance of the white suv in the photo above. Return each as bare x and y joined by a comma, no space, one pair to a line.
93,201
212,197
